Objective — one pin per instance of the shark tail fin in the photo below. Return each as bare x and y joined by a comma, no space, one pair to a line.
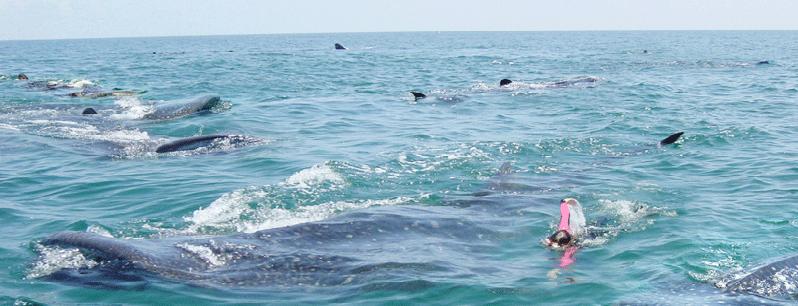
417,95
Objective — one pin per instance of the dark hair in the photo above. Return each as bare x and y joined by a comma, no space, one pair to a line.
560,237
504,82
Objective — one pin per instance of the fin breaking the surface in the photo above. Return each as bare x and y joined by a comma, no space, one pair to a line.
671,139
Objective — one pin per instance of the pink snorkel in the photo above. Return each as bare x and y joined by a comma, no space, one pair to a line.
565,215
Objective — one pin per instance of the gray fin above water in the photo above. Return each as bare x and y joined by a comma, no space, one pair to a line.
671,139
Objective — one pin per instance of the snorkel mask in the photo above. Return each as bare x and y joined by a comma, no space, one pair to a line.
560,238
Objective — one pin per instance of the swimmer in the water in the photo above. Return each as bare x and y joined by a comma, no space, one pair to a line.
572,227
22,76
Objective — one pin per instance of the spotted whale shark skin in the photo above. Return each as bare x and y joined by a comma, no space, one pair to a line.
203,141
778,279
350,248
180,109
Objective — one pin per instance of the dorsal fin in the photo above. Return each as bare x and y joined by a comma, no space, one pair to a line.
671,139
417,95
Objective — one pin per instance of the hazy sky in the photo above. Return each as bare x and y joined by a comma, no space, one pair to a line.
44,19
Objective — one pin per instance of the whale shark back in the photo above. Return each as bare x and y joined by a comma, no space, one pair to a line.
118,255
205,141
777,279
175,110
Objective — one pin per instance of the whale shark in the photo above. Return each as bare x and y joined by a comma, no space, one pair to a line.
778,279
117,132
204,141
180,109
353,247
349,248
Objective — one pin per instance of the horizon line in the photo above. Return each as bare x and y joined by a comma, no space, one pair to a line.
420,31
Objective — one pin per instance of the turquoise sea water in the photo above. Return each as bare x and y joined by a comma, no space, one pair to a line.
341,136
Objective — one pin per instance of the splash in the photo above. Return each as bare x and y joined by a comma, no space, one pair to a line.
132,108
315,176
86,131
240,218
626,216
307,196
80,83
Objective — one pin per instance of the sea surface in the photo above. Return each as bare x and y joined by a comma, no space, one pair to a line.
341,136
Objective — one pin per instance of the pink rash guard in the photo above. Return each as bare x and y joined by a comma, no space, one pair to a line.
568,257
565,215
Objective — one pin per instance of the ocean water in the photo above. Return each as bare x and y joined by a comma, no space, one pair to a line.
411,191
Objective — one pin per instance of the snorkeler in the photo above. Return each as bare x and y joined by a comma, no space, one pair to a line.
572,227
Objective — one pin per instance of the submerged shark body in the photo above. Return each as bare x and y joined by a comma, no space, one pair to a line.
777,279
352,247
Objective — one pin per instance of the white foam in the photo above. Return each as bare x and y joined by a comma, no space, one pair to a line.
267,217
132,108
226,209
79,83
280,217
629,212
8,127
428,160
629,215
77,130
314,176
53,258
